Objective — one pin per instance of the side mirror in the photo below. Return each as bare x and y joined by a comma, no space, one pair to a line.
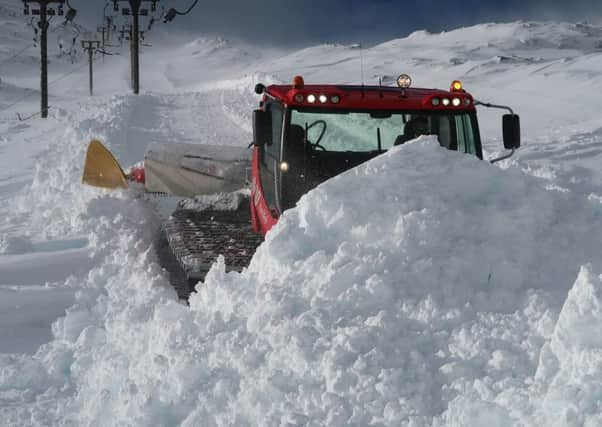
511,131
262,128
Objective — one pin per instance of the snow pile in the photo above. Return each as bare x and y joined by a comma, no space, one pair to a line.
433,294
56,199
571,363
36,390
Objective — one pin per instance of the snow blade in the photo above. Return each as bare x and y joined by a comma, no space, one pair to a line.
101,169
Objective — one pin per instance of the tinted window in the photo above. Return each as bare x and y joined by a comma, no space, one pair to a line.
465,135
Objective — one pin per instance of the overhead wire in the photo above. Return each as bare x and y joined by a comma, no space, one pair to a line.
172,13
189,9
15,55
64,76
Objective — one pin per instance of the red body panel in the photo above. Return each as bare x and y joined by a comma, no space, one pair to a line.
262,218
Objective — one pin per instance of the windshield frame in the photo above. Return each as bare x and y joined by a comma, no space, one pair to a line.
471,113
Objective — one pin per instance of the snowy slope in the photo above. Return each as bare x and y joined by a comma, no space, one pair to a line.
471,296
33,273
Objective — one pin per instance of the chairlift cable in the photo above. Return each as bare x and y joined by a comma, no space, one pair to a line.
189,9
20,52
23,98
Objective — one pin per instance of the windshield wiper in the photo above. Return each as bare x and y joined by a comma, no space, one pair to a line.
380,114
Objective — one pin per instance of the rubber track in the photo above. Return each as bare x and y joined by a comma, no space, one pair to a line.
177,277
195,239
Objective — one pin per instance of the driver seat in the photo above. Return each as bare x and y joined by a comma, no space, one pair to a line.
295,149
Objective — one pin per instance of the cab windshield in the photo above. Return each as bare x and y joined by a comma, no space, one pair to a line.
378,131
319,145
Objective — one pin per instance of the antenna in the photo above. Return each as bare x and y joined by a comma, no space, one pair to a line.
362,62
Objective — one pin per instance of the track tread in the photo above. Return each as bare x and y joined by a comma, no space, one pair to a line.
195,239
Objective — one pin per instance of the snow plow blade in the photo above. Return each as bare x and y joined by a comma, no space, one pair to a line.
101,169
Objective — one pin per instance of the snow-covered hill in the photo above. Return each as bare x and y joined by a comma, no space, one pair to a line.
470,296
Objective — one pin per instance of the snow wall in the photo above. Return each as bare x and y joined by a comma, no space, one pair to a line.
423,288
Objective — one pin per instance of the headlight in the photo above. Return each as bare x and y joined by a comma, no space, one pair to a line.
311,98
456,102
435,102
404,81
445,102
323,99
335,99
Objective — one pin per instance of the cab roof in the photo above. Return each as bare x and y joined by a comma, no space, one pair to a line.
355,97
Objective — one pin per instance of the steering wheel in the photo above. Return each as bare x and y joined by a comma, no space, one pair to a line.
317,143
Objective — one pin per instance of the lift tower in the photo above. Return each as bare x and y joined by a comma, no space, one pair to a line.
91,46
135,10
41,8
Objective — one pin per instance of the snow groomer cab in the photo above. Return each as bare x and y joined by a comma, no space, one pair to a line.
306,134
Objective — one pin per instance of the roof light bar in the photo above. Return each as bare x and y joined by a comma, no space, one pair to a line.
450,102
299,97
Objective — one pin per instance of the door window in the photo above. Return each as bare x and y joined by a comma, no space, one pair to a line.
465,135
270,159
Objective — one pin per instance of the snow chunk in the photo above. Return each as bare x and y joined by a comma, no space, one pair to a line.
580,320
571,364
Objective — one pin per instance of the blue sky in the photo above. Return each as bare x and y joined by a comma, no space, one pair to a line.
299,22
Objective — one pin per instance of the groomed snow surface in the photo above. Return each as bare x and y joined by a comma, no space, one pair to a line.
441,291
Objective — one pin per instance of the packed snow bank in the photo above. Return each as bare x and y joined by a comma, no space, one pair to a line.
571,363
433,294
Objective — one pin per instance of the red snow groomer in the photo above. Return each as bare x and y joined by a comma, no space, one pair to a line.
302,136
306,134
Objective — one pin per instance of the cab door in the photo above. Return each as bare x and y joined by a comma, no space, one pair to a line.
269,165
266,164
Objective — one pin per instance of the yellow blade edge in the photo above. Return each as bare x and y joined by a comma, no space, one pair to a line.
101,169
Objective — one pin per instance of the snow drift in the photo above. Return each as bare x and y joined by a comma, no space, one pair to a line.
434,294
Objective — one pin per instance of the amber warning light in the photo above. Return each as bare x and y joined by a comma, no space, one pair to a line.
456,86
